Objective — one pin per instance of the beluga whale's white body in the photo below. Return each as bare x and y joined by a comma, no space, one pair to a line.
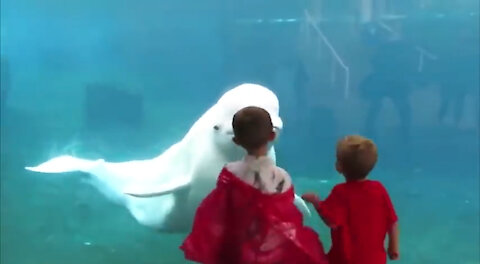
183,174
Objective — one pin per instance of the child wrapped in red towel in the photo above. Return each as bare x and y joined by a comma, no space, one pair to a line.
250,216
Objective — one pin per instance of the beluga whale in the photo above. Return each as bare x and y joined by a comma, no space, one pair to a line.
183,174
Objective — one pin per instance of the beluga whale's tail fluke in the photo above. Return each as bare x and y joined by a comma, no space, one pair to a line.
63,164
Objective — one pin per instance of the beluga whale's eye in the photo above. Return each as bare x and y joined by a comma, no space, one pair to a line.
216,127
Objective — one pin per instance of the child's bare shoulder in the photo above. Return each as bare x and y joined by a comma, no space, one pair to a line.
281,172
233,165
281,176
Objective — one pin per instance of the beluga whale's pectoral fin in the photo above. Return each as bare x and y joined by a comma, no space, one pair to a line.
158,190
301,205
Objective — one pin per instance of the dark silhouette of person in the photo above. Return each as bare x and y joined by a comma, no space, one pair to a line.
458,69
392,76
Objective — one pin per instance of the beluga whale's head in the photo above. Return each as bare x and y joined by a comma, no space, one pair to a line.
234,100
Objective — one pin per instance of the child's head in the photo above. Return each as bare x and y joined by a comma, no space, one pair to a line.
253,129
356,157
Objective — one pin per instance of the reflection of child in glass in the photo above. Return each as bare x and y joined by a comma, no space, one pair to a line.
359,211
250,216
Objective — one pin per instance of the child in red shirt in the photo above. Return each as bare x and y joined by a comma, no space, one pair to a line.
359,212
250,216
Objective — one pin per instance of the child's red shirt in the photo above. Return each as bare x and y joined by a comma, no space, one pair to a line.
359,214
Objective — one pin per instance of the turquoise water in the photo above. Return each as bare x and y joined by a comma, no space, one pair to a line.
405,74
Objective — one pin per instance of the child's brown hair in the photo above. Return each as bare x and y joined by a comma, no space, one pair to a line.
356,156
252,127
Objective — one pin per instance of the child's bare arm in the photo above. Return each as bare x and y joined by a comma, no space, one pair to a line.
315,201
393,243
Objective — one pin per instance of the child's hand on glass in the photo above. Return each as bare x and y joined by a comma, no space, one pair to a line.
311,198
393,254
